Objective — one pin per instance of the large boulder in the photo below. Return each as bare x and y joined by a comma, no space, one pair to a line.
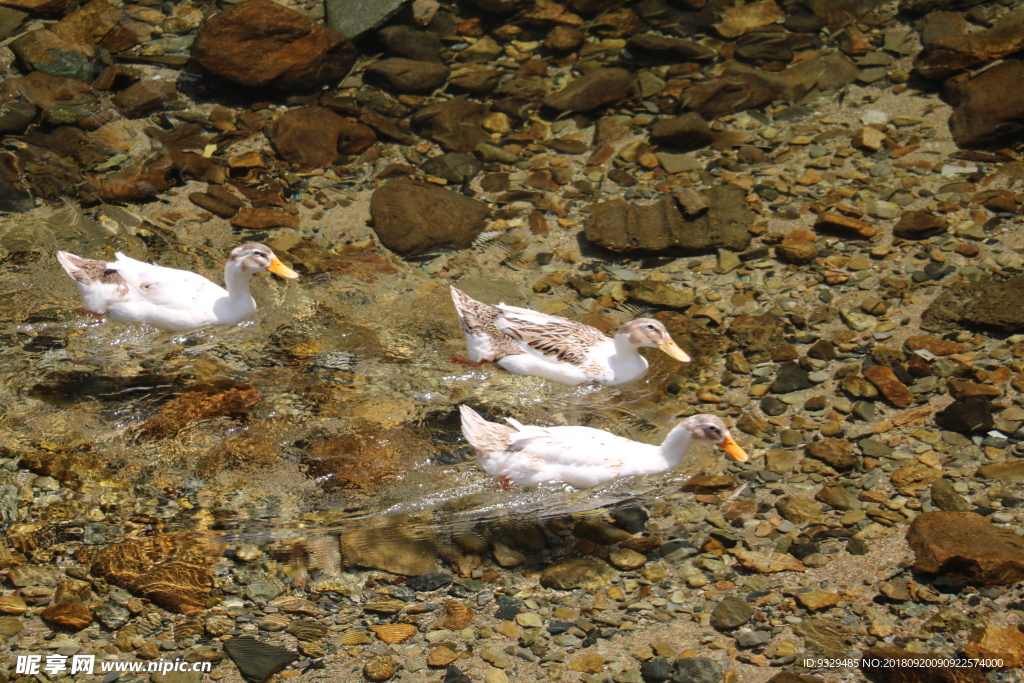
996,306
989,108
312,137
260,44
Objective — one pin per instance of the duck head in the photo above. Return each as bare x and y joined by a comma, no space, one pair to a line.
652,333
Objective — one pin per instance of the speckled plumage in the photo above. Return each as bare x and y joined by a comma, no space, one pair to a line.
528,342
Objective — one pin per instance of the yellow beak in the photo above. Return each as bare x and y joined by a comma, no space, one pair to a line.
732,449
278,268
672,349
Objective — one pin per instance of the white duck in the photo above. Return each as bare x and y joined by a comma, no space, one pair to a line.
583,456
168,298
526,342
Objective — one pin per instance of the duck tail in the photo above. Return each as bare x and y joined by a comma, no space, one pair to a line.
474,427
71,263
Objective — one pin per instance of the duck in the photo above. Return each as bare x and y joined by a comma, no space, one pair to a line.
526,342
170,299
583,457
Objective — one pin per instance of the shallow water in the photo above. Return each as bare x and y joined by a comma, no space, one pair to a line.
334,410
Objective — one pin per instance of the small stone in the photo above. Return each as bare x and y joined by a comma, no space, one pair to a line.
731,613
577,572
379,668
626,560
815,601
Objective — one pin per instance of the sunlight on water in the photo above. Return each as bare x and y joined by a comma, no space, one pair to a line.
335,409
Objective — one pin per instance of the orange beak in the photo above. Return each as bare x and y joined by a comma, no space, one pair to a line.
672,349
732,449
278,268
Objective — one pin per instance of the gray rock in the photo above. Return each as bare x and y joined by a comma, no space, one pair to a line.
354,17
263,591
944,497
790,377
454,167
752,639
731,613
697,670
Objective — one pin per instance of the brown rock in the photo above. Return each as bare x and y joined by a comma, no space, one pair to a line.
940,347
875,664
997,306
798,253
1004,471
142,180
382,124
738,19
666,46
895,391
454,616
600,532
46,8
260,43
966,546
949,50
911,478
789,677
394,633
844,226
408,75
476,79
815,601
993,641
69,615
453,124
143,96
411,217
621,226
799,508
988,108
45,51
312,136
577,572
441,656
564,38
88,24
836,453
249,218
959,389
201,402
172,570
918,225
767,563
685,133
706,484
406,41
602,86
214,205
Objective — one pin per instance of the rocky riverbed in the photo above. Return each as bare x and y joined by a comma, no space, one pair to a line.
821,200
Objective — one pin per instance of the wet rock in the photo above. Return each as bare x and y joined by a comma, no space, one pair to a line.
260,43
767,563
966,546
799,508
823,637
815,601
392,634
739,19
399,546
10,21
757,335
838,497
918,225
659,293
429,582
1004,471
960,389
411,217
454,167
408,75
697,670
312,137
600,532
222,398
441,656
564,38
249,218
88,24
257,661
874,664
940,347
172,570
844,226
626,559
143,96
989,107
992,641
577,572
50,54
46,8
453,124
996,306
475,78
945,498
950,50
354,17
895,391
741,87
454,616
599,87
69,615
10,626
621,226
218,201
972,414
685,133
731,613
664,47
790,377
406,41
836,453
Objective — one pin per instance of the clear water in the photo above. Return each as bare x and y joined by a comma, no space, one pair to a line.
351,420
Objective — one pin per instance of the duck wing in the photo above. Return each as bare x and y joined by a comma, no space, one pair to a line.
571,446
164,287
551,337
